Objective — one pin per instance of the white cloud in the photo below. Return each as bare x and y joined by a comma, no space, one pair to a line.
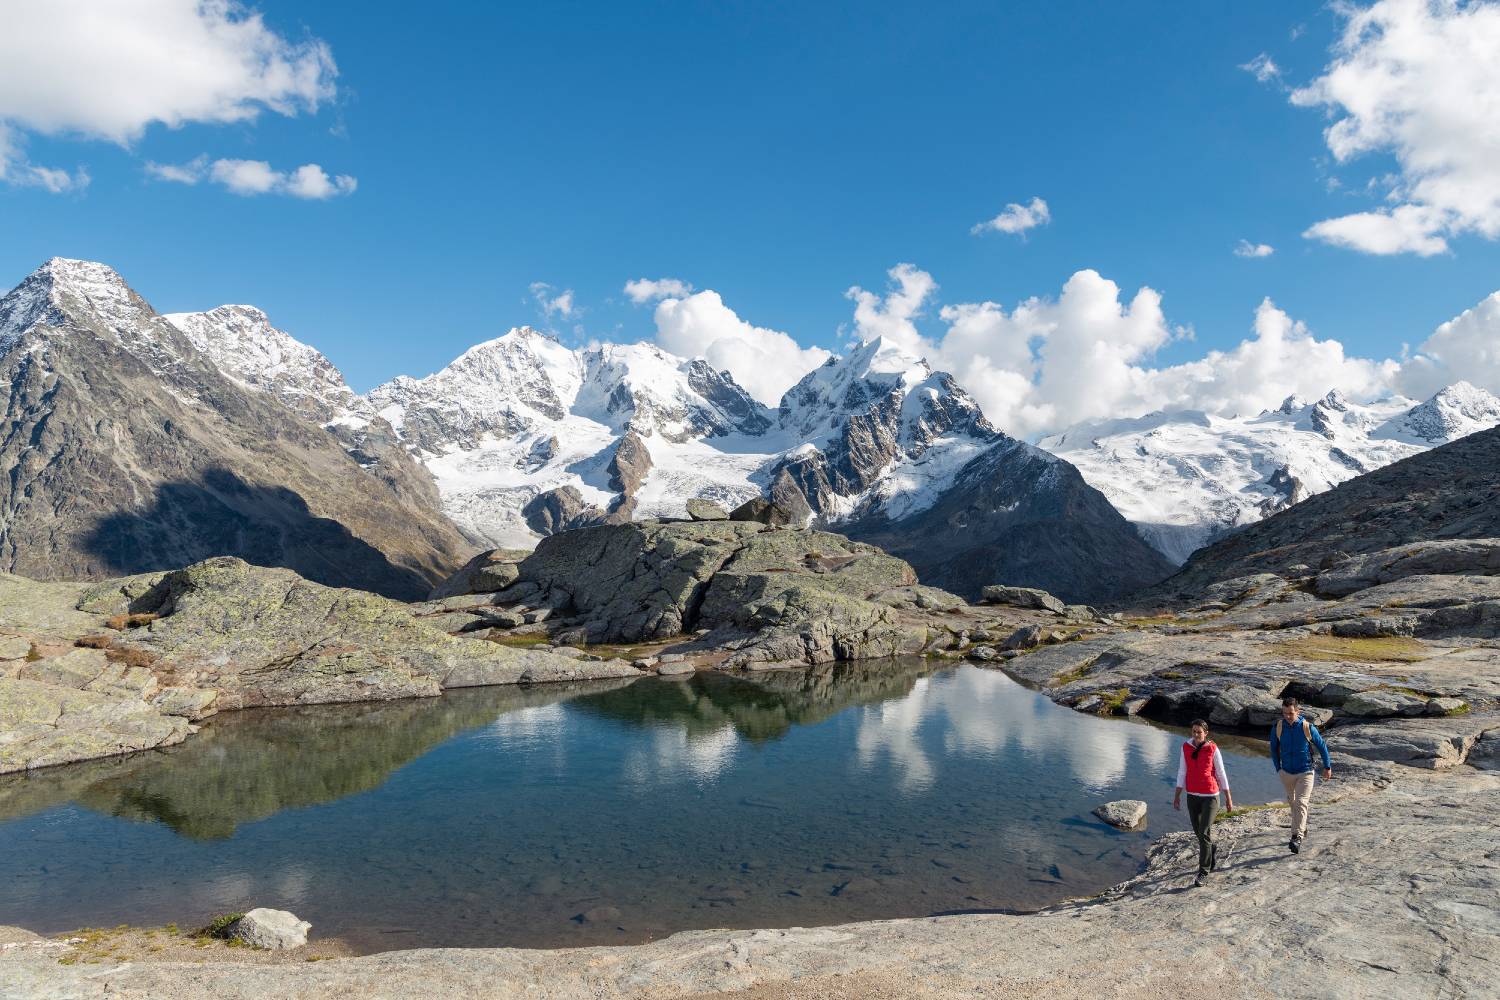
108,71
643,290
1406,229
892,315
1418,80
1050,363
1017,218
16,169
253,177
185,173
1263,68
1244,248
309,181
765,362
1466,347
552,302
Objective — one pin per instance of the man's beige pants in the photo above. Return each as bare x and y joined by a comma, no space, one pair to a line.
1298,795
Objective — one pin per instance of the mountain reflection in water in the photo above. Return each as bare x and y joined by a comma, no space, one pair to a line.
504,816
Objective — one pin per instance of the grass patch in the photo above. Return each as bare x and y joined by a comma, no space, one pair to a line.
1329,648
1246,810
522,641
1077,673
1112,701
219,926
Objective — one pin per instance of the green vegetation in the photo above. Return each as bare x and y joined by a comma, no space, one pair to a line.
1245,810
1077,673
219,926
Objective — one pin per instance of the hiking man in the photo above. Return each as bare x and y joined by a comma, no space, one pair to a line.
1201,772
1292,740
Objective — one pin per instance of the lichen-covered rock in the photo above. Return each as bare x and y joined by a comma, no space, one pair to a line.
706,510
1022,597
777,596
761,511
75,669
264,636
487,572
44,724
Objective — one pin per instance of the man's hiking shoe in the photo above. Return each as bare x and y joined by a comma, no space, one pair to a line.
1198,882
1294,845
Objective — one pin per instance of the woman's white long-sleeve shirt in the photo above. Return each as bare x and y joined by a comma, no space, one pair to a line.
1219,775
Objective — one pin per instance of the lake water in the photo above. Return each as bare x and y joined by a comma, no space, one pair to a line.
612,812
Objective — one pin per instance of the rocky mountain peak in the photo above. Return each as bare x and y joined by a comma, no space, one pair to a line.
1453,412
89,293
243,344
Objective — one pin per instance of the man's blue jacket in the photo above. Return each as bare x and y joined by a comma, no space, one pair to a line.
1290,753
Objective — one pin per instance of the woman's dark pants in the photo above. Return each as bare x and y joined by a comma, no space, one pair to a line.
1201,812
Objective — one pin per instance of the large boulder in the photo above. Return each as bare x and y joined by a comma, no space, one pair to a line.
485,573
1125,814
805,596
1022,597
761,511
556,510
706,510
269,929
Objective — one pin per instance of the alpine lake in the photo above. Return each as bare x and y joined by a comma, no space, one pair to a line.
606,813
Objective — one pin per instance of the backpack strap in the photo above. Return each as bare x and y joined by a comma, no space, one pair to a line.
1307,734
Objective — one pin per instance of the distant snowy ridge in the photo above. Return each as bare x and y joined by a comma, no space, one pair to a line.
519,427
1184,478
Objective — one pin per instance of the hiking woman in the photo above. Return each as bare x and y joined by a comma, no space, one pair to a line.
1201,773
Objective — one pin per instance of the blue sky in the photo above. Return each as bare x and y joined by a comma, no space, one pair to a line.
777,154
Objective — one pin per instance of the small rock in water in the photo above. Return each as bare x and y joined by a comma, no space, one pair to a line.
598,915
1126,814
270,929
675,668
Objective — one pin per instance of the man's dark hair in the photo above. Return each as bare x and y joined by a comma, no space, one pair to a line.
1289,702
1196,723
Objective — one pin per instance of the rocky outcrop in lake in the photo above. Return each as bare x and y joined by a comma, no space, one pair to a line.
132,663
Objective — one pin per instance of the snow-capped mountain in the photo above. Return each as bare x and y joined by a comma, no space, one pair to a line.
244,345
128,448
526,437
521,432
1185,478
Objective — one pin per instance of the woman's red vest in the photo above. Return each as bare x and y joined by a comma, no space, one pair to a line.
1200,772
